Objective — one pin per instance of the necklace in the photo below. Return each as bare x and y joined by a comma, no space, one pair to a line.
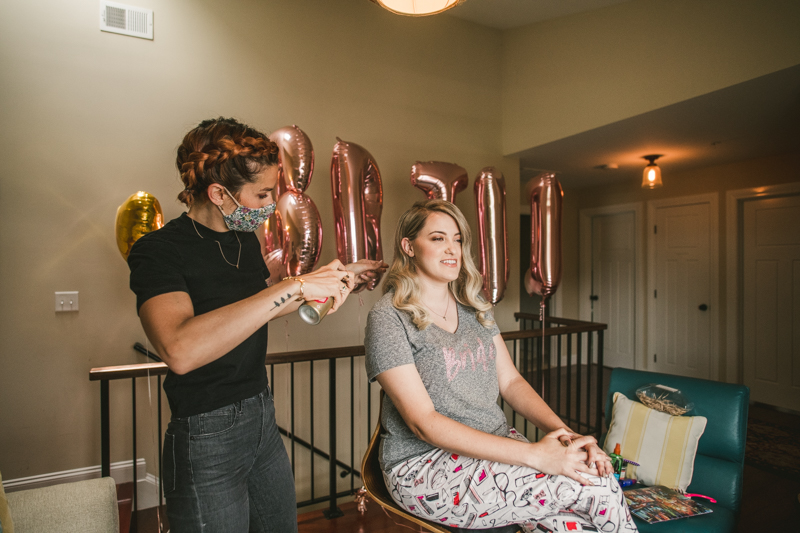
220,247
447,308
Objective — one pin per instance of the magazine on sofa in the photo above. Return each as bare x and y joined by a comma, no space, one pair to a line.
659,504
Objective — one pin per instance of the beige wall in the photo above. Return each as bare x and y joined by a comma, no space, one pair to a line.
569,75
716,180
90,118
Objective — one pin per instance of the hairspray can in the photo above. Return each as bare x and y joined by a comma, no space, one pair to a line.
313,311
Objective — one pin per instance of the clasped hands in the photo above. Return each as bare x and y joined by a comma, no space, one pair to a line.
566,453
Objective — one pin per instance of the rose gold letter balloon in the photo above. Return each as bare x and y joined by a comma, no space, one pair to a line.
302,229
297,158
357,205
439,181
546,200
276,244
490,199
141,213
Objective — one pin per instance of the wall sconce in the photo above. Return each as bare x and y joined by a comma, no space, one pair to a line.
651,179
417,8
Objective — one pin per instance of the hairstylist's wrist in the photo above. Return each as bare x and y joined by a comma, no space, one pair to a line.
300,286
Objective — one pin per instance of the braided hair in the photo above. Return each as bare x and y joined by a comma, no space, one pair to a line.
224,151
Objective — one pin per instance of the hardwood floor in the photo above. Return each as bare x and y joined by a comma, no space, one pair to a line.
769,501
375,520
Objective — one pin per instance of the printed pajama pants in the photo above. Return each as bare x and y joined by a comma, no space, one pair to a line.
474,494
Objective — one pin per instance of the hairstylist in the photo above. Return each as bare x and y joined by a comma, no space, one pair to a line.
203,298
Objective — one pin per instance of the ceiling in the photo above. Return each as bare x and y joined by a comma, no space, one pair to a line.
757,118
505,14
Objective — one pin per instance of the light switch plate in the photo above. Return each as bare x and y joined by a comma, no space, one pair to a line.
66,301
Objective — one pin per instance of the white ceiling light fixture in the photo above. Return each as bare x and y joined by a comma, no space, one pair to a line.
651,178
417,8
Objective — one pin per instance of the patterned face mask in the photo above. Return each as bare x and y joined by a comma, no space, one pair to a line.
246,218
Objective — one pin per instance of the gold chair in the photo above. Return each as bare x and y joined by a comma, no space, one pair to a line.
372,478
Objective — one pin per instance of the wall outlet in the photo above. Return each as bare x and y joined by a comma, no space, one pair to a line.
66,301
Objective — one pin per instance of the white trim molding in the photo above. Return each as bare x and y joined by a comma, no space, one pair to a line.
734,204
121,472
585,270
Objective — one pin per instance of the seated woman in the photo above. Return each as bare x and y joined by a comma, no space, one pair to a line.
448,454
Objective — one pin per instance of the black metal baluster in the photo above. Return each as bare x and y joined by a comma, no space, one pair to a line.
311,382
160,445
600,404
333,511
291,414
578,383
135,477
569,380
546,364
558,375
105,431
590,358
352,425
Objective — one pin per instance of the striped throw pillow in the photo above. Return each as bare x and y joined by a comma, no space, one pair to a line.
664,445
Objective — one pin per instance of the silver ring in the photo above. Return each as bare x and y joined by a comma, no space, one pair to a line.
344,288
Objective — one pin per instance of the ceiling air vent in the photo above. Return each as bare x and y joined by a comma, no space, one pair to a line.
127,20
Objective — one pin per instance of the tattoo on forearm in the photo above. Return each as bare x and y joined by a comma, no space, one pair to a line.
283,301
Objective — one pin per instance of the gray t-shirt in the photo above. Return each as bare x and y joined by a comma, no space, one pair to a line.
458,370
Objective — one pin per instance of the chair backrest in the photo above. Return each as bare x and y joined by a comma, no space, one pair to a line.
719,462
372,477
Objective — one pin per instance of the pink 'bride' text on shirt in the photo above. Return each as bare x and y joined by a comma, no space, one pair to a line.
455,363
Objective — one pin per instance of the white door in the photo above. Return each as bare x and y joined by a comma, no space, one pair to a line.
678,321
613,285
771,303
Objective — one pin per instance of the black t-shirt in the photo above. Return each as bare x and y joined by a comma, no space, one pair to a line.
174,258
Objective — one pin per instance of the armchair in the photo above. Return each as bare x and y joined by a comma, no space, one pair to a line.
81,507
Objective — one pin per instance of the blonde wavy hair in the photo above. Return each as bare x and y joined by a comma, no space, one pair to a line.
402,275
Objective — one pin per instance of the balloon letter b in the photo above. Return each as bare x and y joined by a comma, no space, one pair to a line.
293,234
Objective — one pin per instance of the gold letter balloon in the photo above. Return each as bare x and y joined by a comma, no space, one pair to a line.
140,214
490,199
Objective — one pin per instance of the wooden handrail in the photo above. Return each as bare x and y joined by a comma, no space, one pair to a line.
323,354
127,371
555,320
552,331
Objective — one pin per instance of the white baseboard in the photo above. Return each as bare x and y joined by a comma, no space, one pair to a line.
121,472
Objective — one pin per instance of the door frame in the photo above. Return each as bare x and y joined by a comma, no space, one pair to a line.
713,228
585,270
734,207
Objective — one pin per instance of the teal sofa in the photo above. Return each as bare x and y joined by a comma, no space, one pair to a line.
719,462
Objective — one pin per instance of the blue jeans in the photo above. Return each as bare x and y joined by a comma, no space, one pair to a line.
226,471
